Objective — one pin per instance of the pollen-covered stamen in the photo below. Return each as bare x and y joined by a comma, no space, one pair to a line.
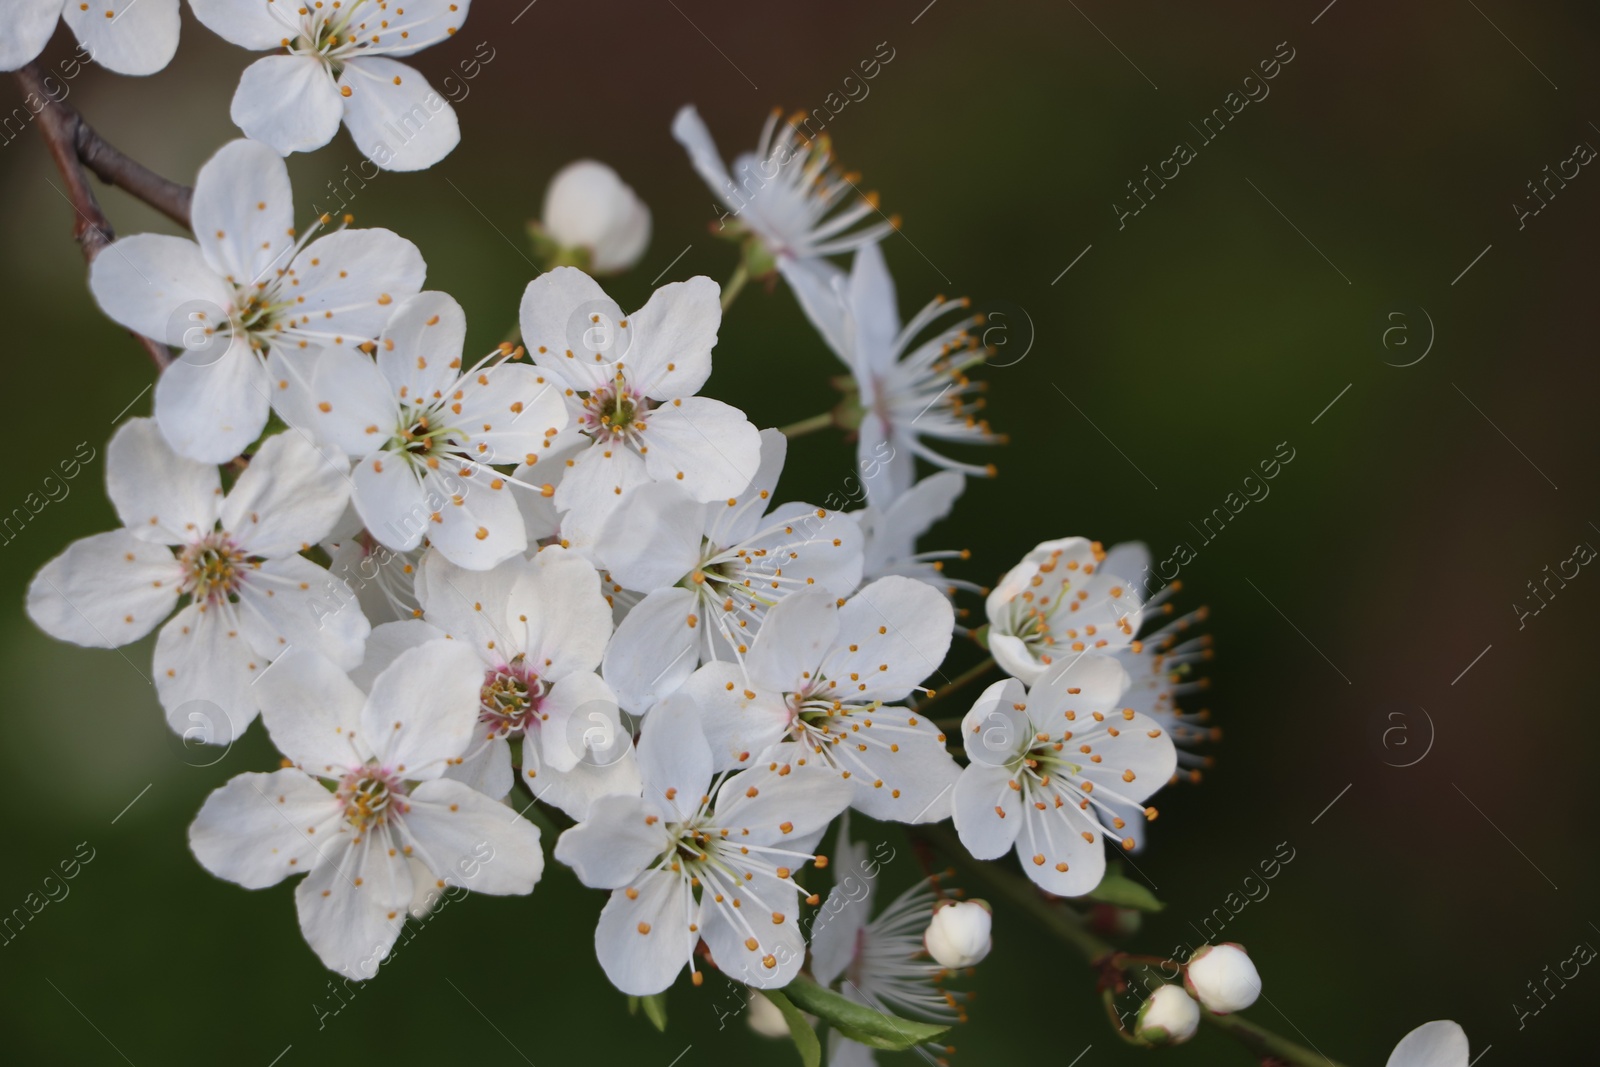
615,414
421,434
926,392
798,188
214,568
371,796
510,699
1051,615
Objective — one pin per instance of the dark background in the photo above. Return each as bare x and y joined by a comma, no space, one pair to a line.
1173,356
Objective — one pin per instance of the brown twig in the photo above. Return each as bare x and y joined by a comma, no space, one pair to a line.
73,145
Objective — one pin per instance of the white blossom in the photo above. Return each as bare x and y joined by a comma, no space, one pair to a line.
125,36
334,67
588,206
250,303
363,810
958,933
252,596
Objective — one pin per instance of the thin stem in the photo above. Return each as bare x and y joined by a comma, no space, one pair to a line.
805,426
735,285
1068,926
73,144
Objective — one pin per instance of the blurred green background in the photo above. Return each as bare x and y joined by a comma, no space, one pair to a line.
1176,353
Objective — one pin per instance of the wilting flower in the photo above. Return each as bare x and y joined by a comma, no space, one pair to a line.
1065,597
831,676
363,811
248,301
906,391
630,385
126,36
1050,764
427,433
252,596
335,68
702,859
588,207
711,572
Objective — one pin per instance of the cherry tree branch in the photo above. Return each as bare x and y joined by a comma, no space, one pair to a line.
74,145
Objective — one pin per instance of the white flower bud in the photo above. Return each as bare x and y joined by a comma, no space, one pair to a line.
765,1018
1169,1016
588,206
958,935
1223,978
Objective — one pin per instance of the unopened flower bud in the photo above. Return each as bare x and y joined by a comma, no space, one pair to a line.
765,1018
958,935
1169,1016
587,206
1223,978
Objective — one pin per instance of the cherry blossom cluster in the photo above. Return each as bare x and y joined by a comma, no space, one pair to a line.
458,584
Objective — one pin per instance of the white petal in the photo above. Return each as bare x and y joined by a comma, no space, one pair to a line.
244,212
387,643
779,950
420,23
470,606
292,602
287,499
909,517
486,768
159,495
838,923
580,723
258,829
997,727
204,666
508,413
212,405
151,283
247,25
654,649
396,118
1053,851
470,840
816,546
127,36
1085,682
576,791
29,26
105,591
391,500
821,290
1440,1043
979,792
654,538
479,524
874,311
739,722
593,487
567,620
887,465
780,800
288,102
614,844
796,634
711,444
420,352
900,629
422,709
313,713
689,130
350,404
353,906
351,279
566,319
910,782
674,759
642,943
674,334
740,523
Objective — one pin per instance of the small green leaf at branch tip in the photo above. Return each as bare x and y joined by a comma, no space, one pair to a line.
858,1022
800,1029
655,1009
1116,888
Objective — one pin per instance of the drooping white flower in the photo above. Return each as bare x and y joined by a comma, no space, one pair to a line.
249,302
1065,597
958,934
880,960
428,433
252,597
1168,1016
335,67
831,676
1050,764
539,628
1223,978
1440,1043
364,811
126,36
908,390
788,193
588,206
892,532
629,382
699,857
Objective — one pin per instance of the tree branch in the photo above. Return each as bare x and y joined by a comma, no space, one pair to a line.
74,144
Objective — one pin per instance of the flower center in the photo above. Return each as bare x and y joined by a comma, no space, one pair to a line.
420,435
370,795
510,698
614,412
213,567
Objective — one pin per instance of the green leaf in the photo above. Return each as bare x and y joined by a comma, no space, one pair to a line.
1124,892
858,1022
655,1009
805,1038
